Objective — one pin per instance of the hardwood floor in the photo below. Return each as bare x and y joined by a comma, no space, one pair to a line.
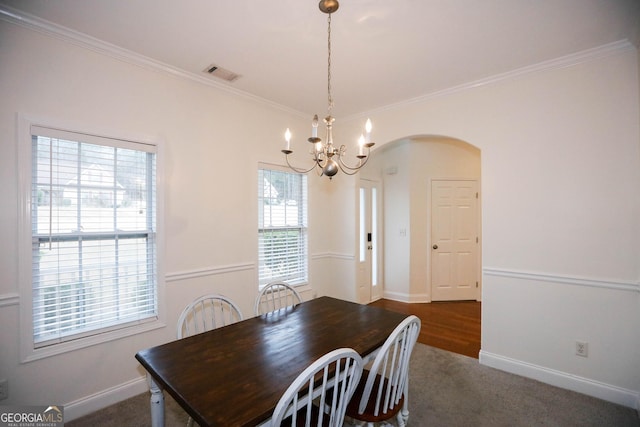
453,326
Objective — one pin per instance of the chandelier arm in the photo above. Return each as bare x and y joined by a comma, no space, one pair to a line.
346,171
361,162
298,170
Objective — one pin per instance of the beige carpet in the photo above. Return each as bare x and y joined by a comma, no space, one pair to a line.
447,390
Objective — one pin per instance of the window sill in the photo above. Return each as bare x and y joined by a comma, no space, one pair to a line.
304,289
31,354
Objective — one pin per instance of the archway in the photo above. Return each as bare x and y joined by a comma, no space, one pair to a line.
405,170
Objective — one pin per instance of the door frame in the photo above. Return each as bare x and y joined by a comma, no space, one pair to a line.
365,293
478,229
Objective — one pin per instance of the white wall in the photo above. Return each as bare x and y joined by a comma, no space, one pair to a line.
212,142
560,176
560,206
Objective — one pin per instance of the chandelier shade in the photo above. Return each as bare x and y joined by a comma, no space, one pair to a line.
328,159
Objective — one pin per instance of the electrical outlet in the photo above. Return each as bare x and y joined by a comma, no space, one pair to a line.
582,348
4,389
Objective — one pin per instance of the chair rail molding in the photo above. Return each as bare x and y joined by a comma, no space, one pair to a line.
333,255
9,299
208,271
617,285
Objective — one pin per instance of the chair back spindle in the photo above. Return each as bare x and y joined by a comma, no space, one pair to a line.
206,313
338,370
276,296
382,394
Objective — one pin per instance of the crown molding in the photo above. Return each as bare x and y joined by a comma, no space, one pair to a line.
553,64
83,40
96,45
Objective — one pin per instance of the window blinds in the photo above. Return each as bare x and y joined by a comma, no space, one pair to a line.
93,216
282,227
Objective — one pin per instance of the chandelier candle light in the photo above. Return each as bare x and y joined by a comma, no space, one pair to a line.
324,155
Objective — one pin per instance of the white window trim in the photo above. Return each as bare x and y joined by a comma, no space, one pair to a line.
27,351
304,285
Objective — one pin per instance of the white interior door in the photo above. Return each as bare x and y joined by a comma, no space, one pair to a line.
369,242
454,240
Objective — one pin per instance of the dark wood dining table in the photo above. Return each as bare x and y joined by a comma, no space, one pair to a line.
235,375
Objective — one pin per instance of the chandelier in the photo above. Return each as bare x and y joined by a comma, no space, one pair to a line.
328,159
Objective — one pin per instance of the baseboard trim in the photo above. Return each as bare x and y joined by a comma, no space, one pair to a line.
610,393
86,405
404,297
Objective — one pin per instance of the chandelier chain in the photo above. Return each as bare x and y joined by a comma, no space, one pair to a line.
330,97
328,159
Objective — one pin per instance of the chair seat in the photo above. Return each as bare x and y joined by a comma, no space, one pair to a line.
369,412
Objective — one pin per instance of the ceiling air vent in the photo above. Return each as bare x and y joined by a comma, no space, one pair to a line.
221,73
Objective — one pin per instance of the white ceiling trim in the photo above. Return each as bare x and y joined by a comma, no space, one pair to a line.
85,41
562,62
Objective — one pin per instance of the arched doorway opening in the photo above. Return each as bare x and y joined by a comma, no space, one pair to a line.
423,188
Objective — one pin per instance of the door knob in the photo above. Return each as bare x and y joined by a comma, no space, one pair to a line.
435,246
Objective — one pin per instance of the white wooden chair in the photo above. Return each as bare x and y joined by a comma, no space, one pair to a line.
382,391
275,296
204,314
299,405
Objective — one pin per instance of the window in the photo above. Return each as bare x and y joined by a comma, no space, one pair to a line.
93,235
282,227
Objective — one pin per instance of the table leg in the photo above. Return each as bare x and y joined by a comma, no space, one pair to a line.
157,403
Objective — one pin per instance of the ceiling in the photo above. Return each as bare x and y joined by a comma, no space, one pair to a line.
383,52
